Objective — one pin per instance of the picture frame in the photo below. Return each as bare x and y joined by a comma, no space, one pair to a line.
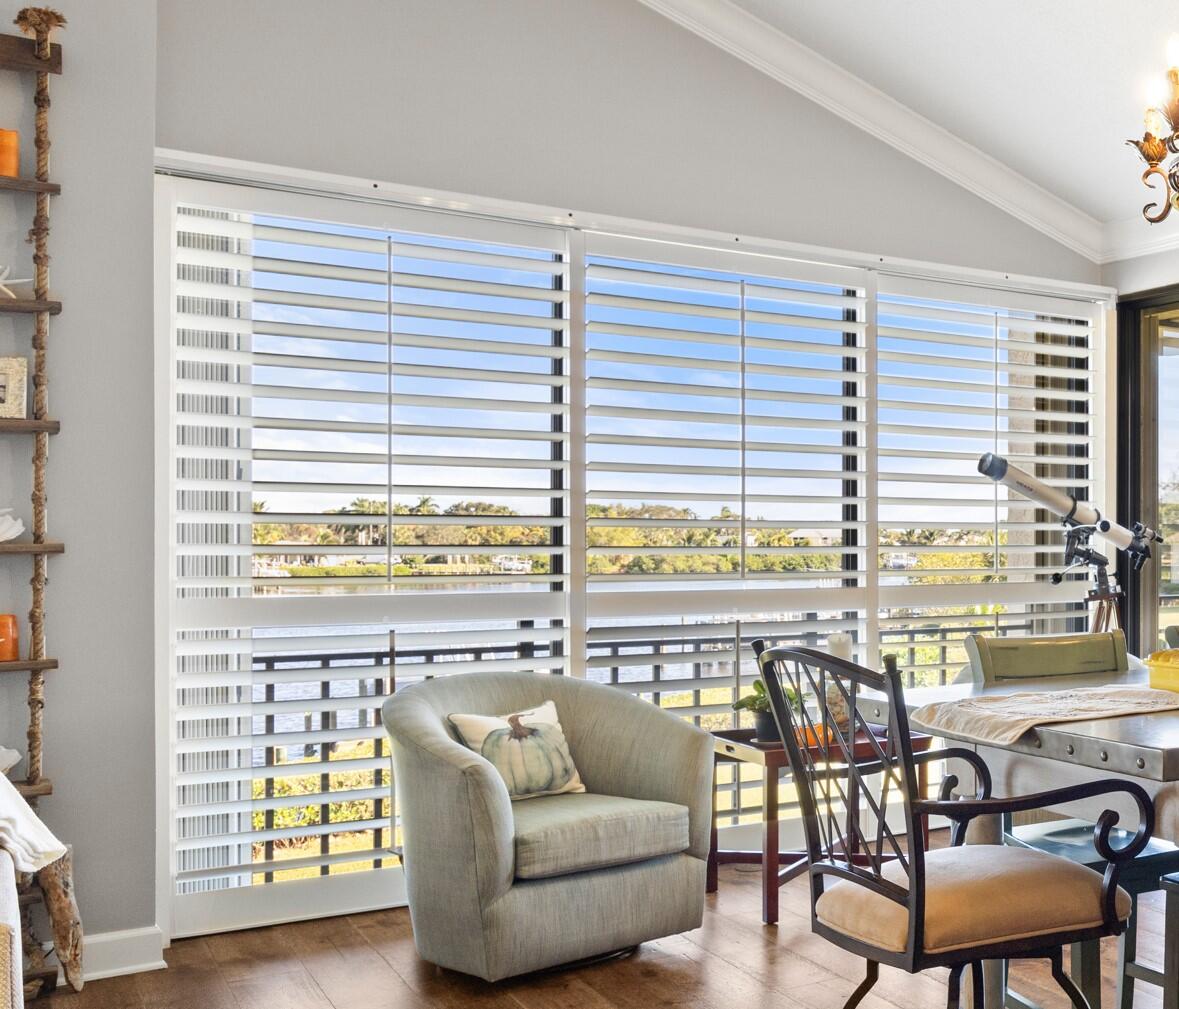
14,379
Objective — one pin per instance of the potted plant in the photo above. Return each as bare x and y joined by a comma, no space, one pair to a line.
766,729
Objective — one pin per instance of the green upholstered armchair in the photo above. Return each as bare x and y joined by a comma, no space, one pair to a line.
498,888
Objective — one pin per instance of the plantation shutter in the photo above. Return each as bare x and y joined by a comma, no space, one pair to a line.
965,370
726,418
404,443
369,414
726,469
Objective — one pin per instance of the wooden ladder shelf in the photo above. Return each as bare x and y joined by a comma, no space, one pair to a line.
38,56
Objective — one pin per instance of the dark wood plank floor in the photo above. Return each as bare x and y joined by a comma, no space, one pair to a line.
368,961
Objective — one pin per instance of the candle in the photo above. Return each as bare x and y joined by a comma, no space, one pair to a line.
9,153
839,644
9,638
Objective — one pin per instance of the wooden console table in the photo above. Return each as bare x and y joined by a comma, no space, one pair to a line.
738,746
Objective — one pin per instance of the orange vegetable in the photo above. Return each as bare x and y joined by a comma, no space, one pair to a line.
810,737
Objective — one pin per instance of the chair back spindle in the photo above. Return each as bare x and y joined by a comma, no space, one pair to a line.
841,767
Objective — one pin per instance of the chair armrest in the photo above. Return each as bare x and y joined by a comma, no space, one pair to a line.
457,823
968,809
626,746
963,810
950,781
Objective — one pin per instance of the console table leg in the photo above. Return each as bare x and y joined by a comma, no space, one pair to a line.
710,876
769,846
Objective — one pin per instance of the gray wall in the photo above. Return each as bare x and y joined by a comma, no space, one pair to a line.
99,716
1143,273
599,106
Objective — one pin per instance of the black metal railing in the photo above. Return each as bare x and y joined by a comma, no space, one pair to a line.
378,674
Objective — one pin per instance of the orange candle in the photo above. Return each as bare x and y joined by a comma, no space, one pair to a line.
9,638
10,153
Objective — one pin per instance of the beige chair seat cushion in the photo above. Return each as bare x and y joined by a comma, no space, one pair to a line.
974,895
559,834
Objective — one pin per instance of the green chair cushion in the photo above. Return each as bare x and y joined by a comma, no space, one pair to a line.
559,834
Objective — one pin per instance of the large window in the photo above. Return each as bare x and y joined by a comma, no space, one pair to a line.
405,443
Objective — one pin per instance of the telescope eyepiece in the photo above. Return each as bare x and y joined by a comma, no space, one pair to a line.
994,466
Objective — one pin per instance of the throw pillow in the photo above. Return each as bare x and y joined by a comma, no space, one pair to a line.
527,748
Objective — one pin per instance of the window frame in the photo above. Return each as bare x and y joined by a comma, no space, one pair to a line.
183,172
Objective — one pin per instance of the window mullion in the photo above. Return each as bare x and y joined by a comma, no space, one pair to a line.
576,587
871,477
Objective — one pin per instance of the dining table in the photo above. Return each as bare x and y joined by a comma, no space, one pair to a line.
1140,747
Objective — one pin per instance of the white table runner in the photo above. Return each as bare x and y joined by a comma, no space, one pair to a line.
1002,719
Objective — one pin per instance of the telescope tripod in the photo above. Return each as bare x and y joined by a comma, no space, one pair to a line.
1106,597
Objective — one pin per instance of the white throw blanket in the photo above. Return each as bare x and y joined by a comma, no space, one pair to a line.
1002,719
22,834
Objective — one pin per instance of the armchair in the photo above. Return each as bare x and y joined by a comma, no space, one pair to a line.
498,888
952,907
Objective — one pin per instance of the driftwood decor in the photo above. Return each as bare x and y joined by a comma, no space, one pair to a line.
53,885
57,888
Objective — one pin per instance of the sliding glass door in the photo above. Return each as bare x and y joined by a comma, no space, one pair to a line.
1155,469
1167,471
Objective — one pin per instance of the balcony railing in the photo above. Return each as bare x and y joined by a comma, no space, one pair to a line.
653,657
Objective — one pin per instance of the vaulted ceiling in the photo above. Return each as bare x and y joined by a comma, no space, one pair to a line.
1028,104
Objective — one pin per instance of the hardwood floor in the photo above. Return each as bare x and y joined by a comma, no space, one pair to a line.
731,962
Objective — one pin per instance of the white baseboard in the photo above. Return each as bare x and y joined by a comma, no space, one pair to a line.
129,951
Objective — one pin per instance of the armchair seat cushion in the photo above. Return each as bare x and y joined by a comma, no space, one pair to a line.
560,834
974,896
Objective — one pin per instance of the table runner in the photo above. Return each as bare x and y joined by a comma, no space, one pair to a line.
1002,719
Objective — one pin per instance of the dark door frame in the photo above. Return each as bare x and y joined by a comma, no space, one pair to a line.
1133,400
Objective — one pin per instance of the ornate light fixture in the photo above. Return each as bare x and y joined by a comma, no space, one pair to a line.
1162,137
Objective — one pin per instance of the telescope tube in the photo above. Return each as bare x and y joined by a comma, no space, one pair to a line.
1055,500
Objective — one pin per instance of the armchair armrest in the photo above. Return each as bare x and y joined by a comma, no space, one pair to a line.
961,811
626,746
455,810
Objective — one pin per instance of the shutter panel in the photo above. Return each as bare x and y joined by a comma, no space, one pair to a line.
365,420
963,371
726,399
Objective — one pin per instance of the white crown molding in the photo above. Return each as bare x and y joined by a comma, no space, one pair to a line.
1134,237
789,62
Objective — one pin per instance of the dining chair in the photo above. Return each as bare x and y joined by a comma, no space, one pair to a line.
994,658
898,905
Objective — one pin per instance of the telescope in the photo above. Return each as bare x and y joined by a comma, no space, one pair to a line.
1077,514
1081,521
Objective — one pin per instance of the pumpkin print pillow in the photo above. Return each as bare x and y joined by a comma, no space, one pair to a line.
528,749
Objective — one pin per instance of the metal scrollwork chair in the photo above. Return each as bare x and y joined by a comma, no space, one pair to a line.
904,907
